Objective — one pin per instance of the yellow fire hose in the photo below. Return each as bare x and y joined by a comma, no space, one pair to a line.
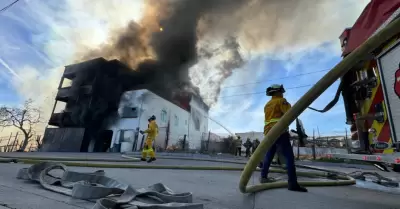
362,53
80,162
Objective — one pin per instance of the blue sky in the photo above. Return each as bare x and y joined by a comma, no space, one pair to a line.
251,106
38,38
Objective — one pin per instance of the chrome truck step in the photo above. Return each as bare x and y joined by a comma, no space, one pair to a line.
378,158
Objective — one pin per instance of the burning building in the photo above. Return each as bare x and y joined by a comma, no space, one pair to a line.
107,103
178,124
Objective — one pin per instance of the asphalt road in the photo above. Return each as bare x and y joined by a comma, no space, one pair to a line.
216,189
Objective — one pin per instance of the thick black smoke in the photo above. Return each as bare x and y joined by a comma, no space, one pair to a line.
163,46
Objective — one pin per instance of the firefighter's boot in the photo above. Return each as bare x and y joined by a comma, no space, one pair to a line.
151,160
297,188
143,159
260,165
264,180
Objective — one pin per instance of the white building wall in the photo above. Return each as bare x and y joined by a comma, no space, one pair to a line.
181,122
122,124
198,127
165,112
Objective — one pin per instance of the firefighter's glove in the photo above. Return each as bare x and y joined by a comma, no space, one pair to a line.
141,132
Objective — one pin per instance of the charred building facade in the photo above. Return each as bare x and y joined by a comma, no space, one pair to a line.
91,92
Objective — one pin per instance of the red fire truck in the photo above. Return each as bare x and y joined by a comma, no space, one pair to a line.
371,90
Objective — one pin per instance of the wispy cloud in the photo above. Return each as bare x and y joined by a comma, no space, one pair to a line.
39,37
10,70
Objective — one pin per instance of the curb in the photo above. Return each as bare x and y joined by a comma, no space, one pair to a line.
188,158
73,159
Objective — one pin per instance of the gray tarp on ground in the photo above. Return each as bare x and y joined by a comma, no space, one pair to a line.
109,193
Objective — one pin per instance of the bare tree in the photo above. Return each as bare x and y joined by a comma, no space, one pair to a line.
23,118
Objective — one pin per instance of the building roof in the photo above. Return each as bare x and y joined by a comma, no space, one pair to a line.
376,13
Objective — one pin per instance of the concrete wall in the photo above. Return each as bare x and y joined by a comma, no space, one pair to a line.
252,135
319,151
62,140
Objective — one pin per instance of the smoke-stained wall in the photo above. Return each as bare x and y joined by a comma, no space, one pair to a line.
90,109
198,126
180,121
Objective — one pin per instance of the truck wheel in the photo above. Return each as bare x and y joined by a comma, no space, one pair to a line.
396,168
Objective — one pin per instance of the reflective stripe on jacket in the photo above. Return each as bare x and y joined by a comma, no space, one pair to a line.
273,120
274,110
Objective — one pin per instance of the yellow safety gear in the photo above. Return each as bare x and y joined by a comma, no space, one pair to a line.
148,149
238,142
272,120
274,110
152,133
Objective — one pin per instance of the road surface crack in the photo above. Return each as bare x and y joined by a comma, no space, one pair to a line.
6,205
78,206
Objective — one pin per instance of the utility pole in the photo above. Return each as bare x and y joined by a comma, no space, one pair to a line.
188,124
167,135
140,118
313,145
184,142
208,140
346,142
298,148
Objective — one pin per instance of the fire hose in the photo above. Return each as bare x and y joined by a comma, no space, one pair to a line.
89,186
362,53
97,187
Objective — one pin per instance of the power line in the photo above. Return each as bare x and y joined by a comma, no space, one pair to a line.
251,93
8,6
274,79
263,92
266,80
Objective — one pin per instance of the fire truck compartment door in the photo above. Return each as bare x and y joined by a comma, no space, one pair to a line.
389,68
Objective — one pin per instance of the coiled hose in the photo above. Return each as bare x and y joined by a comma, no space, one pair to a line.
362,53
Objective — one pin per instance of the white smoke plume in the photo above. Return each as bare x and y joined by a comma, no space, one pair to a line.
228,36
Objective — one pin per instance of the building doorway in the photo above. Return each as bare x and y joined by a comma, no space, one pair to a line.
103,141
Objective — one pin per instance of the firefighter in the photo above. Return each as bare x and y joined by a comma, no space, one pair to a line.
152,132
248,145
255,145
273,111
238,146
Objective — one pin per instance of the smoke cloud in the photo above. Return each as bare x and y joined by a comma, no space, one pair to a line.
165,40
201,43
